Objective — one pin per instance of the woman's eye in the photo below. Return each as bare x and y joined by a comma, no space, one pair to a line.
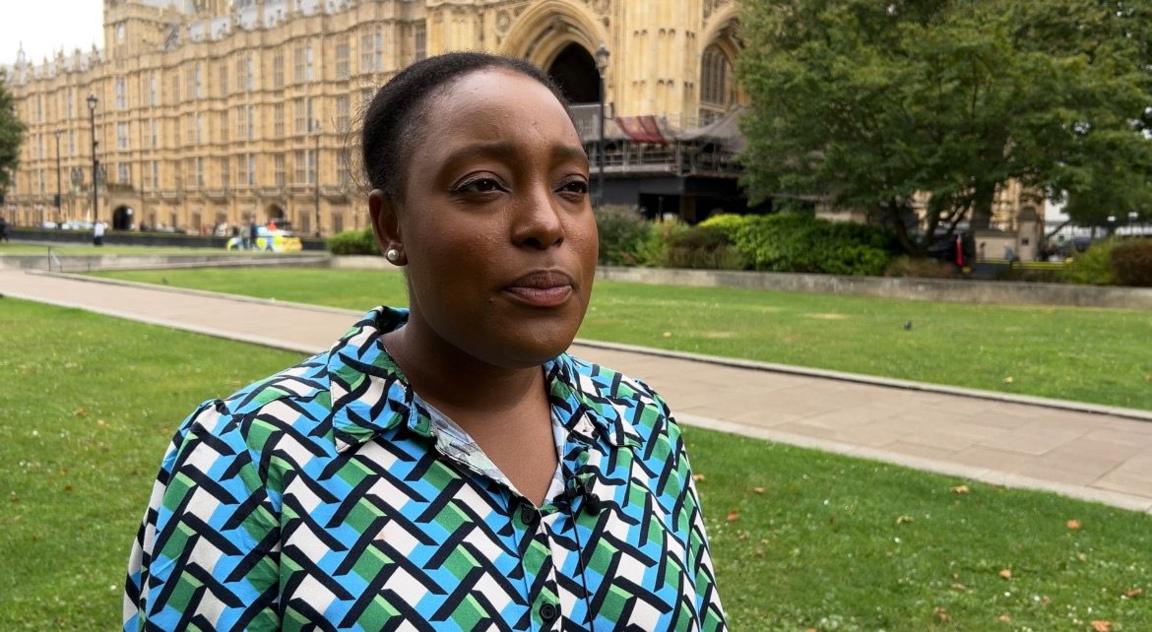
575,186
480,185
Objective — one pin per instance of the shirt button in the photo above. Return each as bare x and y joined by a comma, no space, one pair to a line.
549,612
528,514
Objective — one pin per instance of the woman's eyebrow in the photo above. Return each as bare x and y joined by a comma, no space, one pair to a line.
505,151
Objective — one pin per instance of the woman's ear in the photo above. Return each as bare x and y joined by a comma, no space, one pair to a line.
386,227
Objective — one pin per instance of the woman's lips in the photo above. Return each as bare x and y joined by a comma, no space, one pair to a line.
546,288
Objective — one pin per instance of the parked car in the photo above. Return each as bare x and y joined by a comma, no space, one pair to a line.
270,240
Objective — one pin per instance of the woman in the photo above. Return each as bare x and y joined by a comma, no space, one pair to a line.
447,466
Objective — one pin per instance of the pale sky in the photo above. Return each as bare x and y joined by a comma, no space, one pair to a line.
44,26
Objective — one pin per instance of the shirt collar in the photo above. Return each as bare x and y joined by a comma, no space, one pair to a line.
370,394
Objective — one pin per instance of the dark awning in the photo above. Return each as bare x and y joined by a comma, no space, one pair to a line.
724,131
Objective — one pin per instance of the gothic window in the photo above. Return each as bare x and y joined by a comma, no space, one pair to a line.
715,71
342,71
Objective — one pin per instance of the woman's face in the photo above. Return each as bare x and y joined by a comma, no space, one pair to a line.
495,221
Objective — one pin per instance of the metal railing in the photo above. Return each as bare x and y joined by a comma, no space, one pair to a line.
677,158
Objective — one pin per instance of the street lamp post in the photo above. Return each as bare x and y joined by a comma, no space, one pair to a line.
59,192
601,66
316,130
92,100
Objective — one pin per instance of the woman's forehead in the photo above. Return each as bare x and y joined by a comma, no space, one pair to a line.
495,93
496,106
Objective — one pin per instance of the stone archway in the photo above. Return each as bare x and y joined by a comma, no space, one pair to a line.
547,28
720,47
122,218
274,211
574,70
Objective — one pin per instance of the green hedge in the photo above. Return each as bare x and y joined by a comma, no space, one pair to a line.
622,234
702,247
354,242
1132,262
1093,266
792,242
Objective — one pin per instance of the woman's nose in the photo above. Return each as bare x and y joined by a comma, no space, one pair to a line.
538,220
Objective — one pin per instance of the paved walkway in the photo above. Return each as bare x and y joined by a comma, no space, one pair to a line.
1101,456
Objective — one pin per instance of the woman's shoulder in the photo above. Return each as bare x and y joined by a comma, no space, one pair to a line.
291,404
628,403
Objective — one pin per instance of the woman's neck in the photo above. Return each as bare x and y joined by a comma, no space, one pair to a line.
452,380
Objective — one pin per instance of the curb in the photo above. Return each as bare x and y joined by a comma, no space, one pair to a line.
871,380
240,298
1121,500
788,369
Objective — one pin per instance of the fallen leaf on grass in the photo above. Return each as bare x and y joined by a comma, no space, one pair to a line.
1133,593
1004,618
960,489
1006,573
1073,524
1008,380
1044,601
903,519
1101,626
941,615
732,516
667,334
80,412
759,490
959,587
697,477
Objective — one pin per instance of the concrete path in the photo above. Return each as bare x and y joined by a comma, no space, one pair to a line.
1093,453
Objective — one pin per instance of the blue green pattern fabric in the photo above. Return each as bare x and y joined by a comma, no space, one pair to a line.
317,499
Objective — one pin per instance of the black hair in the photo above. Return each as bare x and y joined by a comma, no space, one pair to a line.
392,120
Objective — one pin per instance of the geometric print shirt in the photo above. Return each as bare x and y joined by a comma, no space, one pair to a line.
322,498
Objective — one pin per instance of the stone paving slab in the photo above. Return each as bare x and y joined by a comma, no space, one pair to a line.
1090,455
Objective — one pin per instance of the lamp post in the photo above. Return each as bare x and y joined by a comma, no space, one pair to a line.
92,100
601,67
59,192
316,132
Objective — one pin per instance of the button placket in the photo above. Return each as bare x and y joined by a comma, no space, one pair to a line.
539,566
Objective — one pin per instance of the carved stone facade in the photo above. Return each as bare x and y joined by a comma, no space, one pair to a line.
207,111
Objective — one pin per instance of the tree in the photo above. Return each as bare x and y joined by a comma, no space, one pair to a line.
11,135
868,103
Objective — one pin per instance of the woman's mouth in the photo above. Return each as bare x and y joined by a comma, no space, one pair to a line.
545,288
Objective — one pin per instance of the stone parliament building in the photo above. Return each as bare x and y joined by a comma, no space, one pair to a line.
211,112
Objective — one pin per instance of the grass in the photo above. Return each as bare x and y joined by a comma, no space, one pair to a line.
87,408
801,539
73,249
1089,355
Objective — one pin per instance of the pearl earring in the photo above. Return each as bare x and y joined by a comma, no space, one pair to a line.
392,255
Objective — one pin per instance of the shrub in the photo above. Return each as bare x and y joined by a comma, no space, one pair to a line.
622,232
652,251
1132,262
702,247
919,268
727,222
354,242
790,242
1093,266
1025,275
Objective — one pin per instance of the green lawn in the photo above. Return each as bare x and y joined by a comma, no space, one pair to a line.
801,539
1091,355
81,249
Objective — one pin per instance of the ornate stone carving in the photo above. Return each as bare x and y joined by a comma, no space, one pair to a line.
711,6
599,7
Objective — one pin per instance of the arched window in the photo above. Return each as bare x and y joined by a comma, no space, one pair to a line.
714,78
